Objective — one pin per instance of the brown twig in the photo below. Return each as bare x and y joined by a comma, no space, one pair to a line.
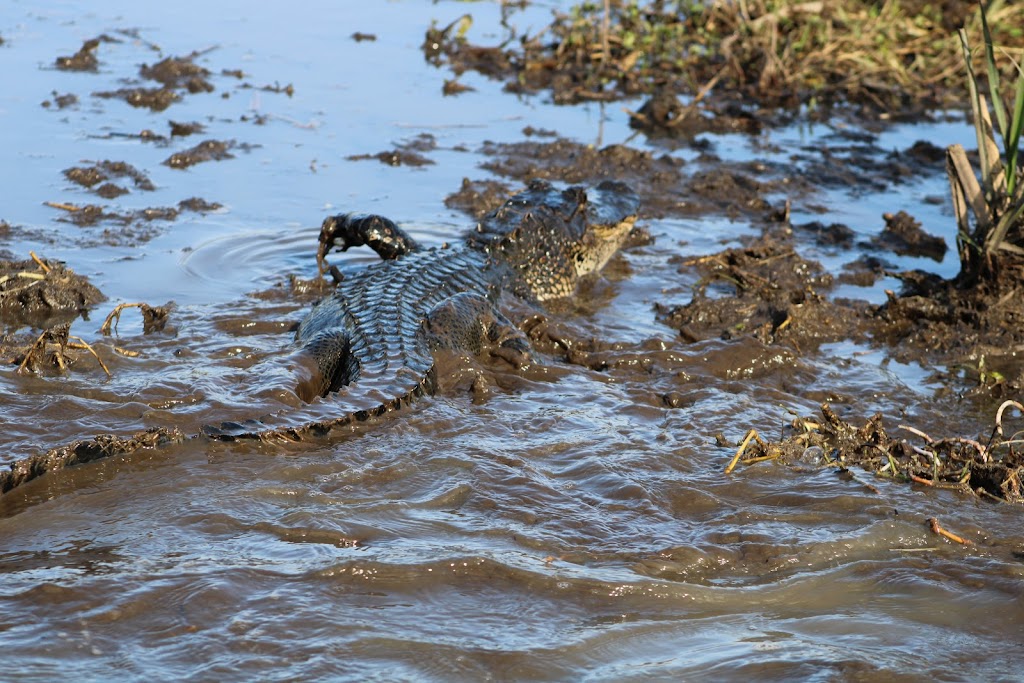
85,345
115,317
45,268
64,207
933,523
752,434
999,414
918,432
28,356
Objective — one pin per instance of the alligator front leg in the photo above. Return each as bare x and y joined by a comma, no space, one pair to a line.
377,232
471,323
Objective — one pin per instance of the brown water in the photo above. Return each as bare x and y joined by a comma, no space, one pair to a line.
567,527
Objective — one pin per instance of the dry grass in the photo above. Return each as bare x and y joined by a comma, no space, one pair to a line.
889,54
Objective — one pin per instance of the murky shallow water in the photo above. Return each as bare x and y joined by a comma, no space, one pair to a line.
569,527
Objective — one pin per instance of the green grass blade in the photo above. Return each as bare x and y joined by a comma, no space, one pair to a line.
1013,142
993,78
972,87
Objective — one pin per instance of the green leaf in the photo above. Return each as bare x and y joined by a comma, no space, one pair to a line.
993,77
1013,141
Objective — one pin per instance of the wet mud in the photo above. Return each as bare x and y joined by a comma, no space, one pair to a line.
177,76
208,150
408,153
39,293
85,59
767,291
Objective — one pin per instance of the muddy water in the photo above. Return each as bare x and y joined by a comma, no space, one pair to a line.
567,526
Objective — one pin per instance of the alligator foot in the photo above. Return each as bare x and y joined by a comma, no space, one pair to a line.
377,232
471,322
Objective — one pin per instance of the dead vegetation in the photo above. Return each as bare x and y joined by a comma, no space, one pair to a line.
894,56
38,291
154,318
987,467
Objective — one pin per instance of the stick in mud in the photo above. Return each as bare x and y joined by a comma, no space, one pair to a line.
933,524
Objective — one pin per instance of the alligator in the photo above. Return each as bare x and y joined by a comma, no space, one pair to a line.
368,348
374,338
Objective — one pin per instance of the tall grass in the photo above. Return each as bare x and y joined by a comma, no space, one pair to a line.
998,202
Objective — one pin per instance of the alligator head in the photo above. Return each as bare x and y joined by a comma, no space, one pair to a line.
552,238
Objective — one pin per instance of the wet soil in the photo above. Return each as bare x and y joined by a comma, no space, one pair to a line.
177,76
61,101
407,153
208,150
778,56
85,59
767,291
80,452
669,186
126,227
41,293
99,174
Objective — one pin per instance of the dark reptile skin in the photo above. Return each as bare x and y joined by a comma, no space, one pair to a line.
373,339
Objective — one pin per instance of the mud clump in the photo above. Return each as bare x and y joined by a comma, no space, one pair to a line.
831,235
856,162
133,227
978,332
198,205
175,75
49,350
475,198
61,101
179,73
208,150
42,292
154,318
903,235
85,59
663,115
185,129
407,153
395,157
100,172
154,99
765,290
664,188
